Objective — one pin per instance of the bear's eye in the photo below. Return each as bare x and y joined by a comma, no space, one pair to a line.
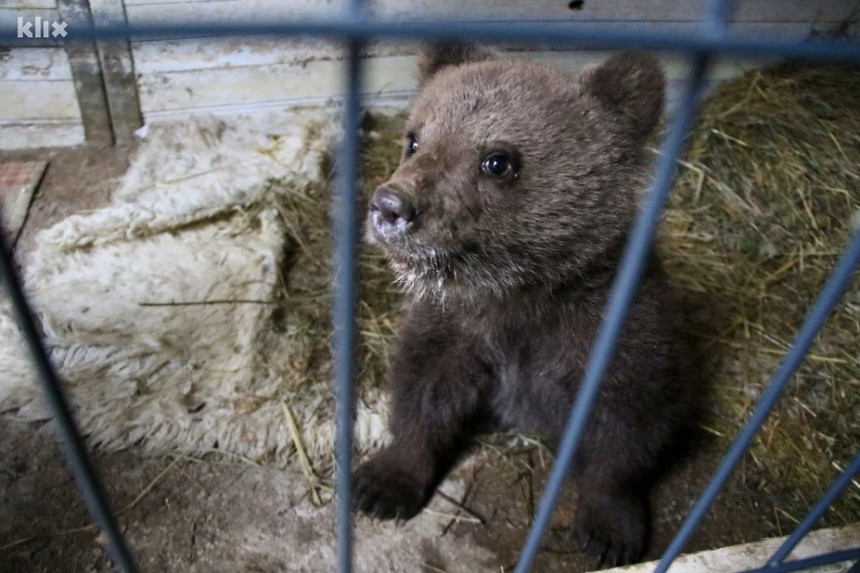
411,144
498,164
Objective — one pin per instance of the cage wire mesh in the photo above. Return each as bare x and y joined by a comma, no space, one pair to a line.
354,28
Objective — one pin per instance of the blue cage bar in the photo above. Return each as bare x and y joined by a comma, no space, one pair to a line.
354,28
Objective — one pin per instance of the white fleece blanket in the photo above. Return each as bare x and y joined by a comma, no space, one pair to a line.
156,309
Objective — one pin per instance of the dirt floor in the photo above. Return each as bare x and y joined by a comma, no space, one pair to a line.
183,514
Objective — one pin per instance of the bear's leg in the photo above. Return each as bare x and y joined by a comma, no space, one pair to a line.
612,525
614,476
435,400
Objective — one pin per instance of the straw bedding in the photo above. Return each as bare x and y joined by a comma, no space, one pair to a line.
764,205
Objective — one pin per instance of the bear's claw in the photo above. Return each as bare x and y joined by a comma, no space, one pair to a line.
386,492
612,531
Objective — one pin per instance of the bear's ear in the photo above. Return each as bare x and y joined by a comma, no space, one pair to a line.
633,84
434,57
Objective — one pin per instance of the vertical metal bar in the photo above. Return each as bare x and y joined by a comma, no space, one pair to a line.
820,508
718,15
86,476
830,295
624,288
346,249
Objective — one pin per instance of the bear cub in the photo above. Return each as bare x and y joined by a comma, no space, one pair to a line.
505,222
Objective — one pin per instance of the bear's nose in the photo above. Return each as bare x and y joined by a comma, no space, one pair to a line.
395,208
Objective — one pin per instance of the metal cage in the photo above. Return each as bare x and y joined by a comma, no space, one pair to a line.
354,28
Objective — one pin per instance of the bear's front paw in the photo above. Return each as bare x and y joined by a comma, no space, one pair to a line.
612,530
385,489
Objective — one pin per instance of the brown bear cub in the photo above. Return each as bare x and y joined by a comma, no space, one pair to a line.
505,221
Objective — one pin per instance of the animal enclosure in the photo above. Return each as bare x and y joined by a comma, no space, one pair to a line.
761,212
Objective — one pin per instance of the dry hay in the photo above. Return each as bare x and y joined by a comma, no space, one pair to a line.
302,319
306,304
761,212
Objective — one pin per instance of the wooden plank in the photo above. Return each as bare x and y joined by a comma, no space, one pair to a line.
30,135
227,11
39,100
18,182
86,71
46,113
159,56
317,81
29,4
253,88
45,64
756,554
202,54
162,56
654,10
117,70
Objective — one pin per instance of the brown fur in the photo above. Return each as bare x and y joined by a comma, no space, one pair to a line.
508,277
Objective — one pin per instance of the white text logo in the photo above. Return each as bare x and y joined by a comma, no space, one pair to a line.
39,28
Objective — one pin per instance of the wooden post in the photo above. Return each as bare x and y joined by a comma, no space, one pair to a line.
103,72
118,75
86,73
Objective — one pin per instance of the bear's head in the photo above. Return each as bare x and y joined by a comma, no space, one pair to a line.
513,174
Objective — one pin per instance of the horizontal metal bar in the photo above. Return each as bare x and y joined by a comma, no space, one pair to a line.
810,562
820,508
830,295
583,35
83,470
